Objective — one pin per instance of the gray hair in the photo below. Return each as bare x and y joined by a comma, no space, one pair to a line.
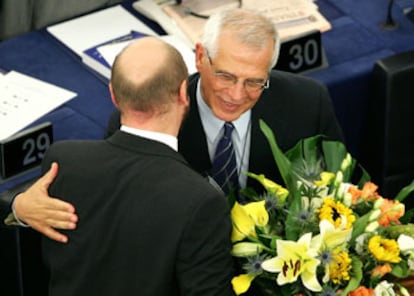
250,27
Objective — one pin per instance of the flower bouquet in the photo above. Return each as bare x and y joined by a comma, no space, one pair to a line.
319,233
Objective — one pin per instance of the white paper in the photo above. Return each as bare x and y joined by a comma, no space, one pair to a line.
86,31
291,17
24,99
153,10
110,51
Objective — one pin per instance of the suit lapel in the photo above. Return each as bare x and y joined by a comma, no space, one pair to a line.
192,142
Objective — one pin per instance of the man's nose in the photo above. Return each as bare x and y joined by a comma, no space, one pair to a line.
238,91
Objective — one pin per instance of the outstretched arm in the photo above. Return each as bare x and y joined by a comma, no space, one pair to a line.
43,213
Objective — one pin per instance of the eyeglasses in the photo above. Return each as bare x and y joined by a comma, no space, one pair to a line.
229,80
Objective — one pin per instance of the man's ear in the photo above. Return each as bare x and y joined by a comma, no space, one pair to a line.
199,55
183,93
113,99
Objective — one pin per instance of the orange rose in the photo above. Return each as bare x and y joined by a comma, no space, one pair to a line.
381,270
355,193
369,191
391,212
362,291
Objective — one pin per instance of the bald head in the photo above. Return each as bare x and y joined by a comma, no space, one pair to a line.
147,75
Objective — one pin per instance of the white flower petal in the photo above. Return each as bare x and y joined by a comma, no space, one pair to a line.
271,265
405,243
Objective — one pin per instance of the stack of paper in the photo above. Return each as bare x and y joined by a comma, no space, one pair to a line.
25,99
291,17
98,37
96,28
153,10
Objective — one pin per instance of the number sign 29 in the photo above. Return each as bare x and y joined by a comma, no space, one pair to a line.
25,150
301,54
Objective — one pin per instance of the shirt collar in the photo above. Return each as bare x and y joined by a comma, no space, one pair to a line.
160,137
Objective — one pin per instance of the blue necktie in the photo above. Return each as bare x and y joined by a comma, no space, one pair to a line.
224,169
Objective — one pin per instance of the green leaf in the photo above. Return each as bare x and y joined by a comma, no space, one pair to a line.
364,178
305,149
334,153
281,160
359,226
401,270
285,169
408,216
405,192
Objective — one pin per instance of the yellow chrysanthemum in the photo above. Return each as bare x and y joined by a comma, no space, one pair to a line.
340,267
384,250
336,213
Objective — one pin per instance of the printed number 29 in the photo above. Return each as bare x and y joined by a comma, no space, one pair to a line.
306,56
35,148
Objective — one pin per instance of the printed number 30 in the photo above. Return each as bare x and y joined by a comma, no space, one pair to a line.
304,57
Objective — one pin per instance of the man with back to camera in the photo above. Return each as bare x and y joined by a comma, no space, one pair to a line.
235,82
144,215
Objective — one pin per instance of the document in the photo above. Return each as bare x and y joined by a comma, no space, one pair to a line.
291,17
24,99
184,15
96,28
152,9
110,51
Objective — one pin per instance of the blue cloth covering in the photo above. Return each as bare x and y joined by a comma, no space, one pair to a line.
355,42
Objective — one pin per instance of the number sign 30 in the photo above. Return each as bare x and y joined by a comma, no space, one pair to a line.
302,54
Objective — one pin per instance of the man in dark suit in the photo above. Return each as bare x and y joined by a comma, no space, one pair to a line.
148,224
235,84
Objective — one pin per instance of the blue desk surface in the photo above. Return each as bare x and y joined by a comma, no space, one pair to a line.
354,44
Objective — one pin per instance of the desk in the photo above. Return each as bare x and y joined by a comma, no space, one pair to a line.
353,45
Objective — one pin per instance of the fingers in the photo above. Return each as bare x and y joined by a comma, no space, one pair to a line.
59,205
51,174
59,218
44,213
52,234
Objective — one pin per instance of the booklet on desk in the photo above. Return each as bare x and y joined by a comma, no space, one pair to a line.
93,58
101,57
86,31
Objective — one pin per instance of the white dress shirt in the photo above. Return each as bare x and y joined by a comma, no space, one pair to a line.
160,137
213,127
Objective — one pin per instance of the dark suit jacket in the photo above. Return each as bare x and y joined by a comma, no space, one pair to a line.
294,106
148,224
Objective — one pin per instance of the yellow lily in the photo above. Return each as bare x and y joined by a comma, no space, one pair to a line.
331,237
325,179
295,259
241,283
245,249
280,192
246,217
